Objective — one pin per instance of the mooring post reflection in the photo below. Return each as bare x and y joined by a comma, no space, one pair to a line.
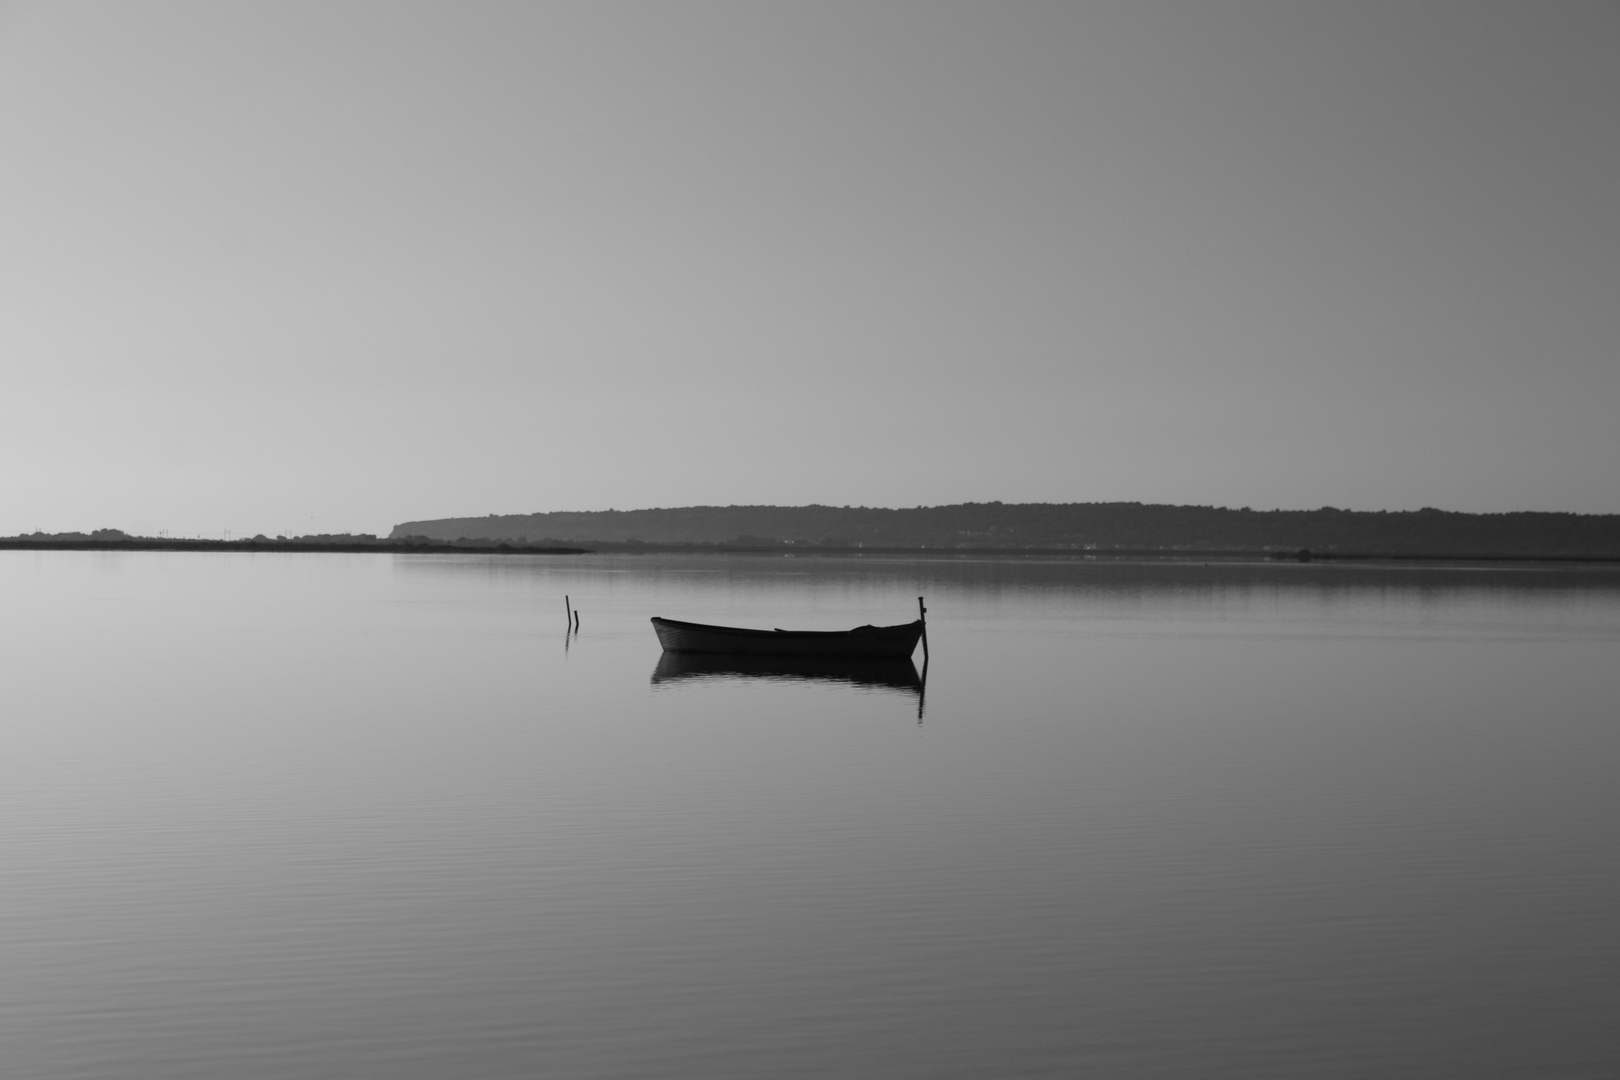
922,688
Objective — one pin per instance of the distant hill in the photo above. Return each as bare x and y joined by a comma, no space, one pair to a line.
1056,526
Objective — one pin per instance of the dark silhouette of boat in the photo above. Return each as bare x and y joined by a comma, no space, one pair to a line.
872,642
863,672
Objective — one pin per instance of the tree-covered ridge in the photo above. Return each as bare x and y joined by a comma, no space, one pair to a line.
1059,526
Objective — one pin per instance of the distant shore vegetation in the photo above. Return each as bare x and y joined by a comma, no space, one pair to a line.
1326,532
117,536
361,542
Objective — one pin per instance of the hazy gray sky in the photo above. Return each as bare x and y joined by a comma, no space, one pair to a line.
331,266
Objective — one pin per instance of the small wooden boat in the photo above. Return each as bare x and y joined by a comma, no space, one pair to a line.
895,642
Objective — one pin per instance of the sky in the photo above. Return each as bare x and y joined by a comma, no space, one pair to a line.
295,267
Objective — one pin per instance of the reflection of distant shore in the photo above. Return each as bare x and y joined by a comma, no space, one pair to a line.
607,547
808,551
879,674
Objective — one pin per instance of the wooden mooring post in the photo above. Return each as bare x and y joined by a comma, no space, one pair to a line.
922,617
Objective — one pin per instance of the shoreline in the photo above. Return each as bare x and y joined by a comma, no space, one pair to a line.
379,547
385,547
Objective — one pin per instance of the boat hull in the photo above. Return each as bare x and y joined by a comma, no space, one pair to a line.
894,642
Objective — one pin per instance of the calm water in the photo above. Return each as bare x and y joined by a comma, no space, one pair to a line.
378,816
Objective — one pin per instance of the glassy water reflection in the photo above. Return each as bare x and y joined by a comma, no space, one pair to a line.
676,669
311,816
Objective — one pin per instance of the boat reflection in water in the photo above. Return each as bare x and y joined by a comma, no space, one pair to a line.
897,675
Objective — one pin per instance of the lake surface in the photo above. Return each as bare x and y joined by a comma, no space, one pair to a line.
379,816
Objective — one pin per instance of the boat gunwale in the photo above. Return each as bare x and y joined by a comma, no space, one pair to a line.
745,631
